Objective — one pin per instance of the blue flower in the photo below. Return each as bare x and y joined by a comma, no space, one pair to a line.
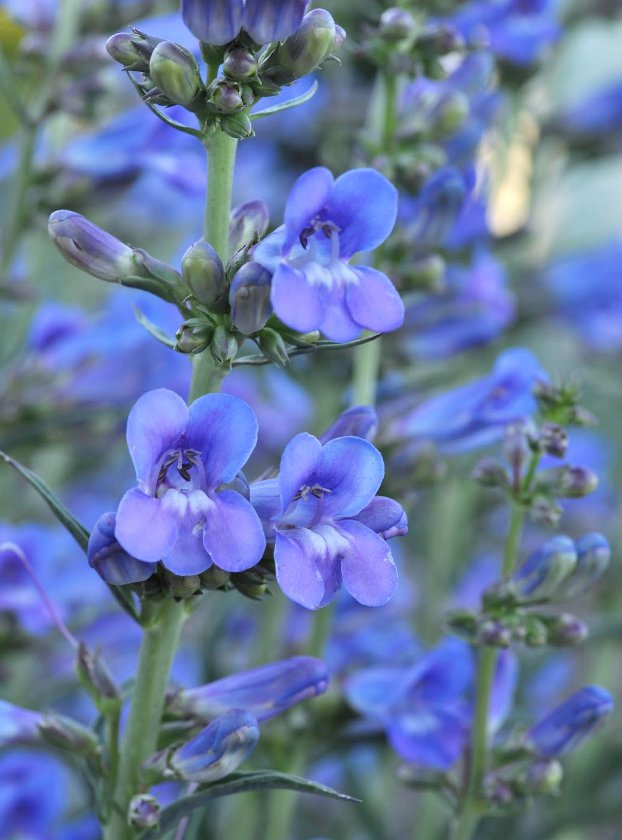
430,216
17,725
220,21
570,723
182,456
265,691
325,223
476,414
324,516
108,558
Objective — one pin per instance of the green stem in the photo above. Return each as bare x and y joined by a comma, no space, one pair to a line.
365,373
207,376
140,739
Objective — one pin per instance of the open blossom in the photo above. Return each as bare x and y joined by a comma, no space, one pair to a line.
220,21
327,521
179,513
326,222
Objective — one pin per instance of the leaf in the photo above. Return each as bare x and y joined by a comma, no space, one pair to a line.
285,106
152,329
237,783
70,523
319,347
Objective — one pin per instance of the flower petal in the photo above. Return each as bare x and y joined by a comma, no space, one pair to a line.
298,463
305,200
110,560
374,690
295,300
428,736
190,511
233,534
224,430
142,529
367,568
381,514
215,21
363,204
352,469
155,424
337,323
297,555
374,302
272,20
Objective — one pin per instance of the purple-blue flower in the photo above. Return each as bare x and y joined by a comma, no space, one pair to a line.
326,222
570,723
220,21
476,414
326,521
110,560
265,691
180,513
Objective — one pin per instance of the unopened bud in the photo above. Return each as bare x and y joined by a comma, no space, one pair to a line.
224,346
238,125
218,750
249,298
554,440
68,734
545,511
490,473
247,224
94,675
567,482
543,777
112,562
176,72
194,336
183,586
132,51
449,113
214,578
593,555
273,347
544,571
203,272
396,24
565,630
239,64
144,811
90,248
494,634
571,722
425,273
306,49
226,97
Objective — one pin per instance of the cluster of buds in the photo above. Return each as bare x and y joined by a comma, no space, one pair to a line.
169,74
559,570
539,491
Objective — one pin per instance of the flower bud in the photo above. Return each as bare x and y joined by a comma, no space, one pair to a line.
111,562
249,298
194,336
566,482
239,64
175,71
273,346
247,224
570,723
94,675
396,24
203,272
218,750
265,691
542,573
462,623
543,777
494,634
554,440
68,734
306,49
90,248
593,555
490,473
535,632
237,125
426,273
226,97
565,630
224,346
144,811
132,51
214,578
449,113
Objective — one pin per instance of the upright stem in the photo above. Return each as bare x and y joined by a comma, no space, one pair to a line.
157,651
207,376
365,373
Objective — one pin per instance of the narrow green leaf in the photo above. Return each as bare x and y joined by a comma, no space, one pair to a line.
237,783
70,523
153,330
285,106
